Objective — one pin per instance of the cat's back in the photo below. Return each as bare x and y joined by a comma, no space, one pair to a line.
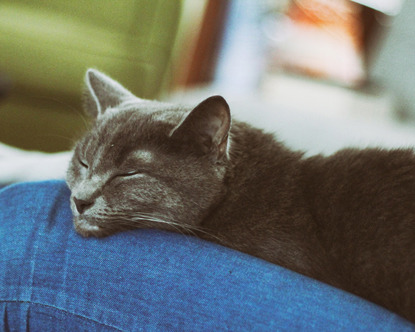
363,202
361,178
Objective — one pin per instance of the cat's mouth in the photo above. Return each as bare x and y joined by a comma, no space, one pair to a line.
92,227
87,228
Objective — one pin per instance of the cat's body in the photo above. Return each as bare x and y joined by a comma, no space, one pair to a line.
347,220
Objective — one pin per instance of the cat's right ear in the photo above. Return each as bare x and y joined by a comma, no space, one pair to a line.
102,92
206,128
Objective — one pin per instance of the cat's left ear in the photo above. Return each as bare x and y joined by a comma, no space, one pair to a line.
206,128
103,92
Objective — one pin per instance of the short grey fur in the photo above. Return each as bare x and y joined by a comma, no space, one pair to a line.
347,219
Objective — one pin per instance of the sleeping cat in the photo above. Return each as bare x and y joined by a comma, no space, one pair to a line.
347,220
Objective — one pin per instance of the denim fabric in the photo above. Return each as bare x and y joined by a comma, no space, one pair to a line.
51,279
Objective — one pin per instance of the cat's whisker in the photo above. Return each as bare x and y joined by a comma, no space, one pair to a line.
70,139
84,120
147,217
176,226
219,239
71,108
191,229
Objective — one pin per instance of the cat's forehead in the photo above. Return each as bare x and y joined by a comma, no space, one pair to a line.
104,154
156,110
143,117
132,132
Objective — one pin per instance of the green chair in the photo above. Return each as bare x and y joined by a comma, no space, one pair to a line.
47,45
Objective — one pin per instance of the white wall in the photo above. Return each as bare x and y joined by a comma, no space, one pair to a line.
395,65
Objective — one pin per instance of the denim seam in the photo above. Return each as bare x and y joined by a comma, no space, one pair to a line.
63,311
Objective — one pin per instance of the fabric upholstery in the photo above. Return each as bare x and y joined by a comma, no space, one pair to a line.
46,47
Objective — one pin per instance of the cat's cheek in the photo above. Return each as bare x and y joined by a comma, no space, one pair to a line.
132,191
71,176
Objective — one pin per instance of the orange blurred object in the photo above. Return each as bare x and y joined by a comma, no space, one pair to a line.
325,40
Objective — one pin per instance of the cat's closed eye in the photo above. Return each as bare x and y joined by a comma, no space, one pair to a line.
83,163
132,173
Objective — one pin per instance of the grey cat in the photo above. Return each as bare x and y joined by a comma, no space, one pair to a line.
347,220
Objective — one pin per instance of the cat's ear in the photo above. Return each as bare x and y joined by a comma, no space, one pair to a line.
206,128
102,93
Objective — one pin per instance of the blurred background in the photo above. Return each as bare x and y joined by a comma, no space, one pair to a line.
321,74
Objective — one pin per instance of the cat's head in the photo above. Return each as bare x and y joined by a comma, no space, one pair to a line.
146,163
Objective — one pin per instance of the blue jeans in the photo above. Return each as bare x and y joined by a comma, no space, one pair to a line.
51,279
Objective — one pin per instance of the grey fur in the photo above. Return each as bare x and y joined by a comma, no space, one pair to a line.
347,220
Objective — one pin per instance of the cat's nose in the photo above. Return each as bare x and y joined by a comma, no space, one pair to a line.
82,205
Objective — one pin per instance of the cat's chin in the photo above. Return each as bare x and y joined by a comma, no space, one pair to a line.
87,229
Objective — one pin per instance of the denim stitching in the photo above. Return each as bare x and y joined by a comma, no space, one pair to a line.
64,311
